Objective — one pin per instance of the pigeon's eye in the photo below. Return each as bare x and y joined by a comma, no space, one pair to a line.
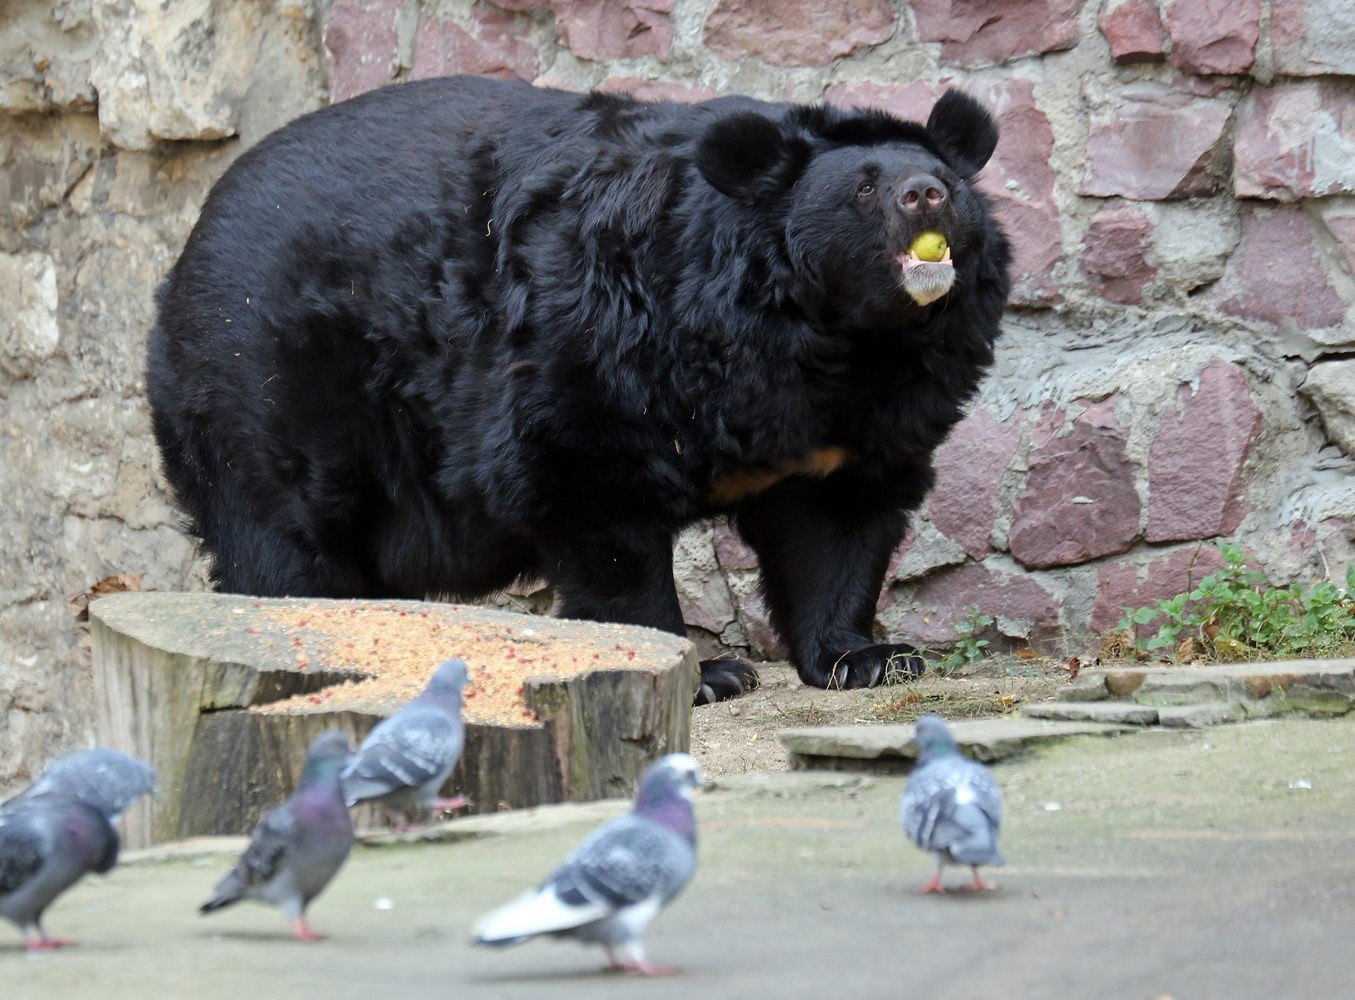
866,189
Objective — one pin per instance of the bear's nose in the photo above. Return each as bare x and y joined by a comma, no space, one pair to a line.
923,193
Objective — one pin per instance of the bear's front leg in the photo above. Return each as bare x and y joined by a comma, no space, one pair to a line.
823,547
628,579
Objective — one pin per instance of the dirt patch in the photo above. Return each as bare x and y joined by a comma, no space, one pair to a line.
739,736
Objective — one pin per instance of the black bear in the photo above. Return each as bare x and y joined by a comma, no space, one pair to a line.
455,332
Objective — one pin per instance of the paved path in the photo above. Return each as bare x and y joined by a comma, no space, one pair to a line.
1176,863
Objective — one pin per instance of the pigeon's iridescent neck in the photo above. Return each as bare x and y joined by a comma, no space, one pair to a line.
673,812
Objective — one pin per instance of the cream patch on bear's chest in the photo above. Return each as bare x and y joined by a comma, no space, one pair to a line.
737,486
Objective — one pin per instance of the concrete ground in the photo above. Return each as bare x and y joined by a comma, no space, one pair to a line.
1216,863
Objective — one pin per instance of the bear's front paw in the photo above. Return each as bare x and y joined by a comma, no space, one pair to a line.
882,663
725,679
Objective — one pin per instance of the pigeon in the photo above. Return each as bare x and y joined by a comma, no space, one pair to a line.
618,879
47,844
951,805
108,780
299,846
405,760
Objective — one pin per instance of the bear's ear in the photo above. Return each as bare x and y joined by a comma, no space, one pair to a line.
747,157
963,131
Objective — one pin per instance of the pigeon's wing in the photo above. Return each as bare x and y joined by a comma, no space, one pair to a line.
951,803
267,848
108,780
627,862
22,846
408,750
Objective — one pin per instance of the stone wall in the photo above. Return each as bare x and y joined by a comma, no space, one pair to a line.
1179,363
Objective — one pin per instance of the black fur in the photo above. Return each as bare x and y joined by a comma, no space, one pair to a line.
454,332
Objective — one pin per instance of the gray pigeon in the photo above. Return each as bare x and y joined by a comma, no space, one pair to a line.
47,844
108,780
618,880
951,805
406,759
298,847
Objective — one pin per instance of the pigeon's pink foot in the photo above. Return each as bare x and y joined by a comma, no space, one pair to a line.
979,885
447,805
933,886
642,969
49,944
303,932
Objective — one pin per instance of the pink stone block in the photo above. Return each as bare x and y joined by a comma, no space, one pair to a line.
1197,461
1156,143
1136,581
1115,254
1276,274
988,32
945,598
655,90
1213,36
361,46
969,468
496,46
1295,141
1313,37
615,29
1079,502
797,32
1134,30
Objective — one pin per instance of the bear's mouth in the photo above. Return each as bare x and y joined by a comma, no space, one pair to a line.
926,281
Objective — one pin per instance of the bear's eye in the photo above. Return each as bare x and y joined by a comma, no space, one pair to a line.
865,190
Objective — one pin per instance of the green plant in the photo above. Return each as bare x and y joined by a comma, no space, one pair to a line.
1236,614
969,648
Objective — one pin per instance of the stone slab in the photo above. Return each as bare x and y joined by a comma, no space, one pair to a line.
892,748
1199,716
1123,712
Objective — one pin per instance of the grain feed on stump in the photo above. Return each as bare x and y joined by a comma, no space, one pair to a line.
392,651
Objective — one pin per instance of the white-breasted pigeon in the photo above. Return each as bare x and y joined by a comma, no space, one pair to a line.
618,879
406,759
300,845
951,805
47,844
108,780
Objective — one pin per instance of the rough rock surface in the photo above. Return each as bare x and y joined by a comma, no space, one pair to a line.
1295,141
1213,36
1116,254
982,32
1079,502
775,30
1331,387
1156,143
1134,30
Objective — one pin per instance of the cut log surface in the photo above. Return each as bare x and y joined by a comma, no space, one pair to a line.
222,694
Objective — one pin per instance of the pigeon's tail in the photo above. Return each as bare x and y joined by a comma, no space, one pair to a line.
539,911
979,847
228,892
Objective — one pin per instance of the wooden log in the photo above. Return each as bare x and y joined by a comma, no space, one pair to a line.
222,694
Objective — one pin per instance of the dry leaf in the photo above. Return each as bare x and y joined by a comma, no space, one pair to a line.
1074,668
1188,650
115,584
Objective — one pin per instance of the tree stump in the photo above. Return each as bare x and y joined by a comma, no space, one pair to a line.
223,693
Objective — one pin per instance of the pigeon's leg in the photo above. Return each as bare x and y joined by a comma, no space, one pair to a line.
447,805
303,932
935,884
979,885
633,960
44,942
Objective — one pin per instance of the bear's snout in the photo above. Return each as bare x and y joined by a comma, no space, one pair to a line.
921,194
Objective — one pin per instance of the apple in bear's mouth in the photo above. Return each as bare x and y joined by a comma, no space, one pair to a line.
925,281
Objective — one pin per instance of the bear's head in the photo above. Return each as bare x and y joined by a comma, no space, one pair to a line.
853,190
